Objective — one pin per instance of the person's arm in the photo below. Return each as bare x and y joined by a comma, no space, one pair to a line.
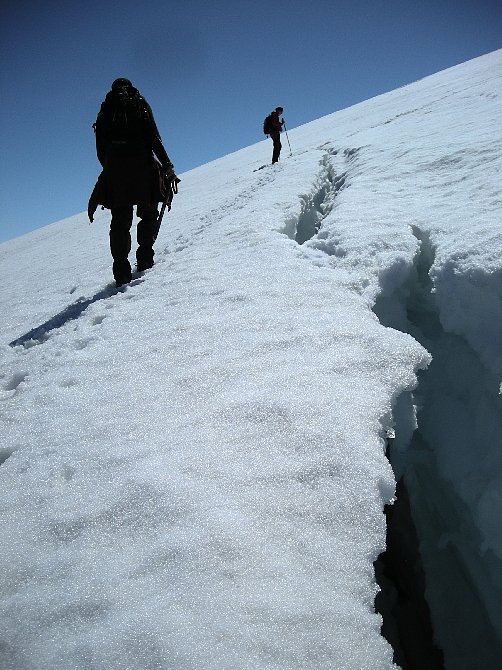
157,146
100,144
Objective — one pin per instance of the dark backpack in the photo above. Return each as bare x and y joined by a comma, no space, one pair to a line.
123,117
267,125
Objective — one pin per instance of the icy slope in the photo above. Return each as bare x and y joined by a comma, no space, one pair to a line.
193,468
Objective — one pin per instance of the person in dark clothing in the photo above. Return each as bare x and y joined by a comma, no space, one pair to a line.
136,171
275,132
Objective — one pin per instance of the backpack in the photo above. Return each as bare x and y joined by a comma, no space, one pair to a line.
267,125
123,117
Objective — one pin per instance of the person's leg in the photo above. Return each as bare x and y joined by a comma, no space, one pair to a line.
276,138
120,242
146,233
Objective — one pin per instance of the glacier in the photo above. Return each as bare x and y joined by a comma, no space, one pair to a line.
195,468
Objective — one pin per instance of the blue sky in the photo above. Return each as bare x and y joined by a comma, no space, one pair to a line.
210,70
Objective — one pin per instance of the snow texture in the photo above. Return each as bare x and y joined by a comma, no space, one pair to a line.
193,467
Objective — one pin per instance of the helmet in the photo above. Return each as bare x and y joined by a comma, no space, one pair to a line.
121,83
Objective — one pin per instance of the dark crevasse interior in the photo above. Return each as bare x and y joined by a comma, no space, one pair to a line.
401,600
434,564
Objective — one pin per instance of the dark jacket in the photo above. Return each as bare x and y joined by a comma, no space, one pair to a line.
130,161
275,122
144,181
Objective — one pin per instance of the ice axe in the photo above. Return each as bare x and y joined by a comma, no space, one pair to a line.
171,190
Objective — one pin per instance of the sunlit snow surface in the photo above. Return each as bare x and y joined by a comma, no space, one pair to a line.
193,468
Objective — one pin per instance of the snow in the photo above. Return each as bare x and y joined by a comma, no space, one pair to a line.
193,467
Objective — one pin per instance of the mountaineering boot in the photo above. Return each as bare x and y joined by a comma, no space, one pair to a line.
122,272
144,257
141,267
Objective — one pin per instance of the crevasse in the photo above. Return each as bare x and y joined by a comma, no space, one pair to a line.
441,467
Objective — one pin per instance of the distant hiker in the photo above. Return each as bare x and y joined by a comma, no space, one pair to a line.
275,129
136,171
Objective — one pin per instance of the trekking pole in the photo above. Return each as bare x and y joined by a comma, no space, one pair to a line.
285,130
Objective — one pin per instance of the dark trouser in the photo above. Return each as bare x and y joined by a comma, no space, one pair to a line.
120,239
276,139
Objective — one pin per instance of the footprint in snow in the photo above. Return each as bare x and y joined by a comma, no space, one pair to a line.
12,386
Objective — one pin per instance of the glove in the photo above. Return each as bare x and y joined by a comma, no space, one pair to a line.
91,208
92,205
168,173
